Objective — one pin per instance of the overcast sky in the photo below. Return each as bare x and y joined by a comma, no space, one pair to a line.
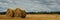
31,5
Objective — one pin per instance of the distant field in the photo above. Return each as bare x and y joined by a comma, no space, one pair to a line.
33,17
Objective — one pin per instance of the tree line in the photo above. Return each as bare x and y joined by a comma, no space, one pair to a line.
2,13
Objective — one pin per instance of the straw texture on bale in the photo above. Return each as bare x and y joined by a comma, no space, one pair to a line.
9,13
16,13
19,13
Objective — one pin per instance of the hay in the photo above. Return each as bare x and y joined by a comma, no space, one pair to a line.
16,13
9,13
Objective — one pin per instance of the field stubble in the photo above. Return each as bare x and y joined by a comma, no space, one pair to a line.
33,17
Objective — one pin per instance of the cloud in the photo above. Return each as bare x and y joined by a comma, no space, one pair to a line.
32,5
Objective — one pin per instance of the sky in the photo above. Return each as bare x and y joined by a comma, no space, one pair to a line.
31,5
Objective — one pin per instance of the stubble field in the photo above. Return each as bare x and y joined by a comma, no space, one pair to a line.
33,17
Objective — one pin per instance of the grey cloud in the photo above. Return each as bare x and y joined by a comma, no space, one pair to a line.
35,5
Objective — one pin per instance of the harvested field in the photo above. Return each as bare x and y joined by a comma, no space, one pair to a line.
33,17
